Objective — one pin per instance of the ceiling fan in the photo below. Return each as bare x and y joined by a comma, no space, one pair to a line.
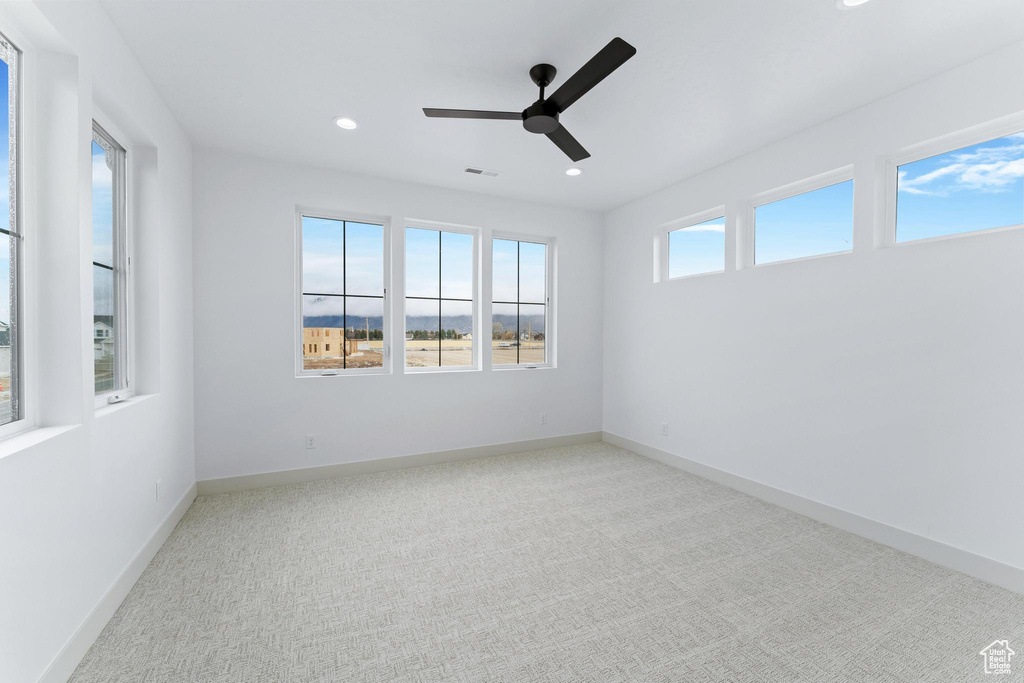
542,115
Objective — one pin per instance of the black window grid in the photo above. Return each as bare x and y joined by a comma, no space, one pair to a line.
439,299
518,303
345,296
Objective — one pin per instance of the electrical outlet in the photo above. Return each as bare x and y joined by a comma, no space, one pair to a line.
664,428
158,484
543,418
310,440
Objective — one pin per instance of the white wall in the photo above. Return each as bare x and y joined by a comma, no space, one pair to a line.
252,412
886,382
77,495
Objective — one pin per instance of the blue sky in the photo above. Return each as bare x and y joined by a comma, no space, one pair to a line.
973,188
816,222
697,249
438,264
102,233
342,257
532,258
5,260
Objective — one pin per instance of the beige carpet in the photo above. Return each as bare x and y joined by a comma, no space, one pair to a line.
586,563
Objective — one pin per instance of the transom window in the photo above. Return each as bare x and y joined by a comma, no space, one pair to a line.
977,187
520,303
811,223
439,286
109,264
343,293
697,248
11,390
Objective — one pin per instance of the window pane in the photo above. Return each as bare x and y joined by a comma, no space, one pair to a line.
505,270
323,322
364,334
9,314
532,272
422,347
456,333
422,262
531,333
504,334
456,265
7,364
102,206
108,194
322,261
697,249
809,224
972,188
104,335
364,259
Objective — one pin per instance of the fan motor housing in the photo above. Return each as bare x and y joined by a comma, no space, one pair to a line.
540,117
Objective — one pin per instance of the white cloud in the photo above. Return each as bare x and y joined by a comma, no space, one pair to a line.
102,177
987,169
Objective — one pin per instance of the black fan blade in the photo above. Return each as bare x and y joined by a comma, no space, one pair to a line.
567,143
473,114
611,57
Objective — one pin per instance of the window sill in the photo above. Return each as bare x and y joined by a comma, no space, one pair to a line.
812,257
360,372
545,366
957,235
33,436
440,370
111,408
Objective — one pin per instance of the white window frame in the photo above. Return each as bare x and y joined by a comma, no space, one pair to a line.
951,142
351,217
477,323
122,257
20,337
748,247
549,305
682,224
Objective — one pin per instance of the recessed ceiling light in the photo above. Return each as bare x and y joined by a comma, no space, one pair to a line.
346,123
847,4
574,171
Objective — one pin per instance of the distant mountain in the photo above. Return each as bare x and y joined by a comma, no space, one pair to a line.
463,324
376,323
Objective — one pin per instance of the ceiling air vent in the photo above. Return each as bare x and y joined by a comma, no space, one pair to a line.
482,171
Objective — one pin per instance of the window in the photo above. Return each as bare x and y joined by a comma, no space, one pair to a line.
440,279
11,390
813,223
109,263
972,188
519,314
696,249
343,291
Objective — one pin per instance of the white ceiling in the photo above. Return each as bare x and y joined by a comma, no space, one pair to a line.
712,80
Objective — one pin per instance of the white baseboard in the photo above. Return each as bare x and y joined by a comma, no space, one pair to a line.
244,482
64,664
978,566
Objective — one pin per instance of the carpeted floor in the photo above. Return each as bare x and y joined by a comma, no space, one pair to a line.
586,563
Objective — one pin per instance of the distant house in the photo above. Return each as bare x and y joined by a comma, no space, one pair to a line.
468,336
102,337
5,348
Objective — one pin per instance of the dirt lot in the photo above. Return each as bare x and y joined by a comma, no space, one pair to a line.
366,359
421,354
